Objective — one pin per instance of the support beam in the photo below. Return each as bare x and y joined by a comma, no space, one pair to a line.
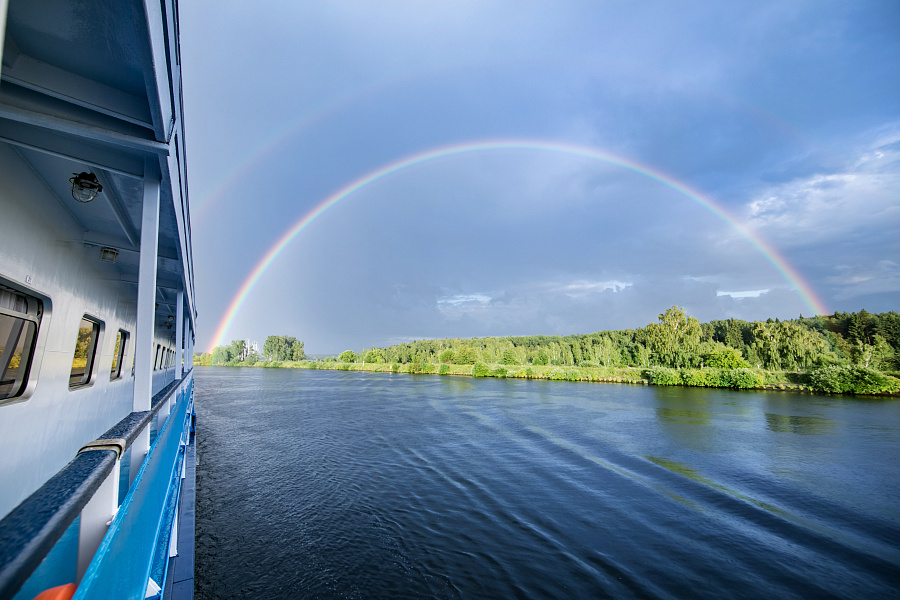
58,83
179,331
115,204
181,325
190,355
93,155
155,67
146,309
4,4
84,132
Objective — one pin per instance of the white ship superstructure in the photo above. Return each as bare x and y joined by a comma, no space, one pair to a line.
96,302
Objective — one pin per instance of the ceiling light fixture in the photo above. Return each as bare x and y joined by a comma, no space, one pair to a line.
85,186
108,254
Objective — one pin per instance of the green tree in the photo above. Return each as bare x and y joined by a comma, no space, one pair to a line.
786,345
724,358
373,356
464,355
221,355
278,348
674,339
274,348
509,356
238,349
347,356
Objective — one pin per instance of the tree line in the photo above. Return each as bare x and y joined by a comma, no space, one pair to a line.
678,340
276,349
843,352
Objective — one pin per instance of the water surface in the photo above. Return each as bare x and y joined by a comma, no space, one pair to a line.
329,484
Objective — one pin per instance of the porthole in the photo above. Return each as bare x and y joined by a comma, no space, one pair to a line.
85,352
20,319
118,355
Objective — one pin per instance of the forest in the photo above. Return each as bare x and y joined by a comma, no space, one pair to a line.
840,353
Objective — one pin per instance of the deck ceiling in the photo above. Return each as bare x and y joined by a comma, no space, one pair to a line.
93,110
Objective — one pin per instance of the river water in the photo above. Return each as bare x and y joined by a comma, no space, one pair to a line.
329,484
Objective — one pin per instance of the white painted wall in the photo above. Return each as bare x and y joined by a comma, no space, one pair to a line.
40,242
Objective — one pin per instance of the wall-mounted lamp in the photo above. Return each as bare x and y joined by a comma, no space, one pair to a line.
85,186
108,254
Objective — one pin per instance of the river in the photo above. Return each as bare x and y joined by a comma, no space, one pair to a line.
330,484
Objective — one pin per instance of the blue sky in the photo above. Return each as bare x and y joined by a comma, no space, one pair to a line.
784,114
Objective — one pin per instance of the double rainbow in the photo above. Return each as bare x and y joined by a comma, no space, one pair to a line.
790,275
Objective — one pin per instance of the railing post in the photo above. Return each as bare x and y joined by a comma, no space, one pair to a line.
139,450
95,519
173,539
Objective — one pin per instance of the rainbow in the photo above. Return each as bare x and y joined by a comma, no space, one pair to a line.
794,279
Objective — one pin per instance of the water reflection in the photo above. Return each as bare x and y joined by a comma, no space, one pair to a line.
798,424
683,416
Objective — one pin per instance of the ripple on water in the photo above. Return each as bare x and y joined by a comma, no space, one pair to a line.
317,484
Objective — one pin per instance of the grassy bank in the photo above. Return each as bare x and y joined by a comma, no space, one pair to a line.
856,380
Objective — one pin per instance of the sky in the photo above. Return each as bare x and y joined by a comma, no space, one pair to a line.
493,168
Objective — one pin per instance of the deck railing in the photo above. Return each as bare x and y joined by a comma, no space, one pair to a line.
120,544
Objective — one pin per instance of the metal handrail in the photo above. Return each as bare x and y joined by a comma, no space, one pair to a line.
30,531
137,540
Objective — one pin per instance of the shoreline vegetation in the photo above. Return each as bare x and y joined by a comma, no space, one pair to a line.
844,353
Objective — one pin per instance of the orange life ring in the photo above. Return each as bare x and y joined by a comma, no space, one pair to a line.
62,592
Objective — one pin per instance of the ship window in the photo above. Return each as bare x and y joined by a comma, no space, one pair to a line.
20,316
118,355
156,360
85,350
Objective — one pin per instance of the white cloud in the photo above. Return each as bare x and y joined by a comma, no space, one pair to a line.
743,294
861,196
463,299
582,287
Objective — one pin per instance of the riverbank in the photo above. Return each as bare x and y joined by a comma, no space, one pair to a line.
863,381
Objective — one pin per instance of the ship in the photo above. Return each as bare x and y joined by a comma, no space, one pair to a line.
97,306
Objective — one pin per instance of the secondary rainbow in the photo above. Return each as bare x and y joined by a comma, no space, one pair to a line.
803,289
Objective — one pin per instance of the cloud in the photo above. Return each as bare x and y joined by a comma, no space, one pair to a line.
784,113
463,299
581,288
857,199
866,280
743,294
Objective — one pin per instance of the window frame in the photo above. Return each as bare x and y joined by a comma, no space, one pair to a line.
115,370
29,346
87,377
